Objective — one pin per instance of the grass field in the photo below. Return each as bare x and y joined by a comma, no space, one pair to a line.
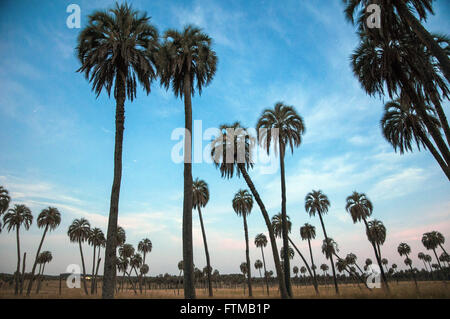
427,290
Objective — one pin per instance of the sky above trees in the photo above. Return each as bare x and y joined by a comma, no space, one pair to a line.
57,138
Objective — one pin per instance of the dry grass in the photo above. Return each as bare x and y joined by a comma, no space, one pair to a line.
427,290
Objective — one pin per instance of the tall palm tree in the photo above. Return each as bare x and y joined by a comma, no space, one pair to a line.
117,51
283,127
405,249
277,228
145,246
242,205
186,61
360,208
401,69
200,193
398,17
308,232
13,219
95,239
431,241
79,231
231,152
317,202
49,219
45,258
376,233
261,242
402,126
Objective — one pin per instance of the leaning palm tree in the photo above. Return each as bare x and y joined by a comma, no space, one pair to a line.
95,239
329,249
45,258
13,219
308,232
421,256
405,249
186,61
49,219
79,231
283,127
261,242
397,17
200,193
231,152
360,208
317,202
402,126
117,51
431,241
242,205
376,233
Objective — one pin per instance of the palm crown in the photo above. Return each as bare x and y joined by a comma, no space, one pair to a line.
200,193
145,246
359,206
432,239
96,237
329,247
376,232
50,217
260,240
17,216
4,200
277,224
316,202
79,230
403,249
308,232
242,202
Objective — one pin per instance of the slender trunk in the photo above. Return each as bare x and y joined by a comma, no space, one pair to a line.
383,276
39,275
109,273
442,247
130,281
247,256
30,284
138,277
188,254
312,265
93,272
306,264
331,257
265,270
22,280
439,263
273,243
17,275
284,227
205,243
84,268
41,278
425,37
96,272
445,168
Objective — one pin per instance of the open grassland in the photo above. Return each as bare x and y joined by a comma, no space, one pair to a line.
427,290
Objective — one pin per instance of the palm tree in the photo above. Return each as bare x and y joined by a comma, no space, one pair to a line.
329,248
258,266
405,249
145,246
308,232
384,261
402,69
421,256
295,270
317,202
116,47
45,258
200,193
12,220
136,264
376,233
431,241
101,243
324,268
360,208
402,126
49,219
290,253
232,152
261,242
95,239
142,272
180,268
126,252
244,270
79,231
284,127
398,17
4,201
120,236
277,229
186,58
242,205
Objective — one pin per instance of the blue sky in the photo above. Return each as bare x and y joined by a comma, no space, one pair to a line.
57,138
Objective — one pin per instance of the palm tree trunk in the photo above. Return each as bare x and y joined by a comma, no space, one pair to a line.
383,276
96,272
287,267
331,257
312,265
439,263
93,272
188,254
305,262
30,284
17,275
84,268
445,168
22,279
109,273
208,264
265,271
425,37
40,279
442,247
273,243
247,256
